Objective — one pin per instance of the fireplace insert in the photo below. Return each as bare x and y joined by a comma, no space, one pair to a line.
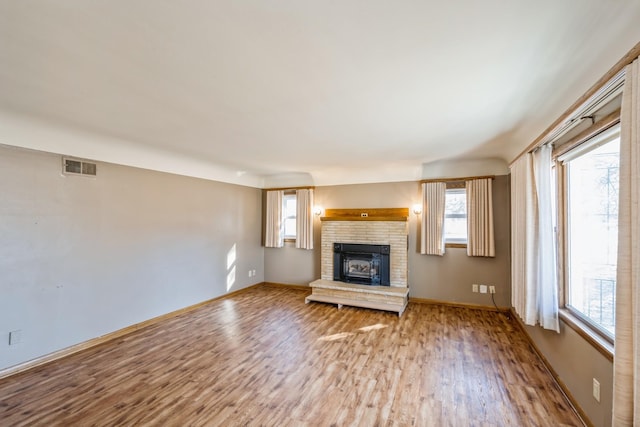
361,263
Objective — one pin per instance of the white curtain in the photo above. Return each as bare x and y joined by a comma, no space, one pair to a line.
626,375
273,225
432,233
480,241
546,265
533,260
304,219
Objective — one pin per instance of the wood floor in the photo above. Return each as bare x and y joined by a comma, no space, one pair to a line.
263,357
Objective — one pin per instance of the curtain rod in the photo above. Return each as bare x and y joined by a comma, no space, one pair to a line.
289,188
466,178
619,66
603,125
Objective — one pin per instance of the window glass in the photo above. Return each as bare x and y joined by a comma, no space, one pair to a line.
289,215
455,216
592,221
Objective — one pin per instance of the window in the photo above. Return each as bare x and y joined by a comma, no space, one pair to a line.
289,215
591,173
455,216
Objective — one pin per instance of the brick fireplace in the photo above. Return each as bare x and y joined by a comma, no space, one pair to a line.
375,227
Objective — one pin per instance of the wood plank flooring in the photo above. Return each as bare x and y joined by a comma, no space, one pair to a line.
264,358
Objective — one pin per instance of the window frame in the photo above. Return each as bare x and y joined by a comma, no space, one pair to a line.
456,187
596,334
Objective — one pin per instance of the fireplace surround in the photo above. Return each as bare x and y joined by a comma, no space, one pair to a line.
369,230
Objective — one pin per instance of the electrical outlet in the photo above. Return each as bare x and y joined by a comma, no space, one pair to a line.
249,274
483,289
492,289
596,390
474,288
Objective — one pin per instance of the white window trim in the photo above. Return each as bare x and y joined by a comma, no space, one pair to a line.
591,144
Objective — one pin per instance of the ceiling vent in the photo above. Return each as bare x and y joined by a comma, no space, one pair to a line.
78,167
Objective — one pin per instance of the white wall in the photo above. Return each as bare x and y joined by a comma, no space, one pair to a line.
81,257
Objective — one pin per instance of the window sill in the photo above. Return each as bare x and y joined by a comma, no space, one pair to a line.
585,331
455,245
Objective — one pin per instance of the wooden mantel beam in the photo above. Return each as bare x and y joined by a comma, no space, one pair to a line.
366,214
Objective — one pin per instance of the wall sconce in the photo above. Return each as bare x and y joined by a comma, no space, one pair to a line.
417,209
317,210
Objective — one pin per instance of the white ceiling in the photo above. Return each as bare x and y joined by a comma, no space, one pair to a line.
324,91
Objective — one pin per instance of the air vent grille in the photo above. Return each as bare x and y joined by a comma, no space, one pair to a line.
78,167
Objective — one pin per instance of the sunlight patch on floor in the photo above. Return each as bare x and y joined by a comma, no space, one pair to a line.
336,337
373,327
342,335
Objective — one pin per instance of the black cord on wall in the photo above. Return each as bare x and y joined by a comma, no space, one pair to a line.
496,306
